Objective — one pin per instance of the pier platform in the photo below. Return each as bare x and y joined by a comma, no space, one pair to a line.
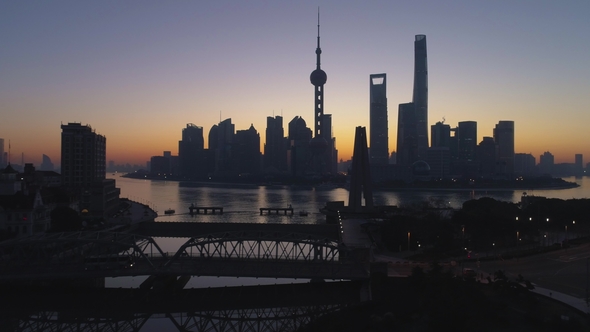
205,209
285,211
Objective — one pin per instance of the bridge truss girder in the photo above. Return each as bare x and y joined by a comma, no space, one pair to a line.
276,246
71,248
59,321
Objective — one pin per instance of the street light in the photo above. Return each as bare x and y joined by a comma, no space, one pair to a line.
408,241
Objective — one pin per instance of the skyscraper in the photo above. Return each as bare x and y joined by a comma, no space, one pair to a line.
190,151
83,170
83,156
247,151
420,96
275,148
546,163
2,161
440,134
466,140
504,138
579,164
379,138
406,135
412,130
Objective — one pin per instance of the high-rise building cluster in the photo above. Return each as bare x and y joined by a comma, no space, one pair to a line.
452,152
303,153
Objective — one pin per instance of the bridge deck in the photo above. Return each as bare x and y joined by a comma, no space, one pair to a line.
190,229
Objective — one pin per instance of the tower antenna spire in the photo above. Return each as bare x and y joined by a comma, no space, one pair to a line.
318,50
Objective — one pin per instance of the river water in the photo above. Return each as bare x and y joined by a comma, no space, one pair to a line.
241,204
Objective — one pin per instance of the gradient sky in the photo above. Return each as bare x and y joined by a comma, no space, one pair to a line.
139,71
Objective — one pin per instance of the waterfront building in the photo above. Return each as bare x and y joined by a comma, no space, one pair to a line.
83,170
524,164
463,150
546,163
579,164
247,151
439,160
379,136
466,134
412,125
275,148
190,152
406,138
2,157
440,135
298,156
504,138
420,94
224,165
486,156
331,154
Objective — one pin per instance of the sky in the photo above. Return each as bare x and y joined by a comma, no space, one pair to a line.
138,72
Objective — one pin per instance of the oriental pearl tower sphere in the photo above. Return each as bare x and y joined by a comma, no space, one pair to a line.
318,78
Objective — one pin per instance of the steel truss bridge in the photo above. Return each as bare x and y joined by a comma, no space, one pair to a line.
286,307
254,253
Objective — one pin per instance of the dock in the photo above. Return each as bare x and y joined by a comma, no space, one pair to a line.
285,211
205,209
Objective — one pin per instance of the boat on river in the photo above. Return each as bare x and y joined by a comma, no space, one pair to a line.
169,211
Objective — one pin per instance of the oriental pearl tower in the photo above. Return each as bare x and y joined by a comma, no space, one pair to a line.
318,143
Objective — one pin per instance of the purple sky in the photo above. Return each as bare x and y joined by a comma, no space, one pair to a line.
138,72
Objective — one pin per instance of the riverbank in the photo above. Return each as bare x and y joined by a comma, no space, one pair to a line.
538,183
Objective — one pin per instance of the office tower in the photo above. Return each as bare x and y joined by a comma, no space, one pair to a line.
579,164
330,158
224,150
83,170
524,164
83,154
439,160
2,159
406,135
318,145
420,96
412,130
299,136
466,134
486,156
546,163
247,151
275,148
504,138
190,151
360,179
46,165
440,134
379,138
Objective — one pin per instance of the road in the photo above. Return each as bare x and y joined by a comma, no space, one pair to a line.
564,270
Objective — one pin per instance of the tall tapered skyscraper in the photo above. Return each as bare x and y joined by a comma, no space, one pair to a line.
420,97
412,125
378,139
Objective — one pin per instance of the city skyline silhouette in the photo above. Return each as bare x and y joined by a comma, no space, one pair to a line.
139,74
